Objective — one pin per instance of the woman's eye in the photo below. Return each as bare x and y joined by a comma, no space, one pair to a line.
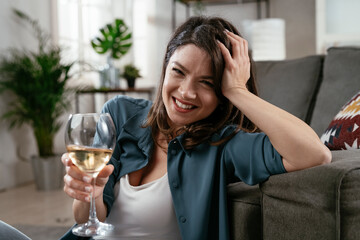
208,83
178,71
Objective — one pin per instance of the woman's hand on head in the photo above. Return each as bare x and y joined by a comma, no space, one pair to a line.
237,65
78,185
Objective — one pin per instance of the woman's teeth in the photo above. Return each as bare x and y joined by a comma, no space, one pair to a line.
182,105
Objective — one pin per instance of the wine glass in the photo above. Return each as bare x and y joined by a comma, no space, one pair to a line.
90,141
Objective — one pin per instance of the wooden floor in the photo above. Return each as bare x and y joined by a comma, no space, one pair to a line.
26,206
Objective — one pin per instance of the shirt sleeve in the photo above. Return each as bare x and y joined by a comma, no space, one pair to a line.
252,158
112,107
109,194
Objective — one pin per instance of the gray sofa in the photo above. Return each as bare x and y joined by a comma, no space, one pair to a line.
321,202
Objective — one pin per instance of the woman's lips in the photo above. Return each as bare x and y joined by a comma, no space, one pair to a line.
182,106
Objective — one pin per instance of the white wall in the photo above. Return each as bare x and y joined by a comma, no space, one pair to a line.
14,171
300,26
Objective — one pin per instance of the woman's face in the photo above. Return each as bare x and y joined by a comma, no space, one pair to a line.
188,91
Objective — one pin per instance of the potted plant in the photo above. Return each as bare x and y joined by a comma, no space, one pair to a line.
116,39
38,81
130,74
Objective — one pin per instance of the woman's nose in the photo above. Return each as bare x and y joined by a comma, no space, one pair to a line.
187,89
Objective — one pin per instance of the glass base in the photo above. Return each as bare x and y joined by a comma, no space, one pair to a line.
92,229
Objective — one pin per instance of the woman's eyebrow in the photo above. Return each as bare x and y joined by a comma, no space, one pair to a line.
181,66
210,77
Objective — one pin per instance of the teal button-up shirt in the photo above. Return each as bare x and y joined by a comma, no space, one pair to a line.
197,177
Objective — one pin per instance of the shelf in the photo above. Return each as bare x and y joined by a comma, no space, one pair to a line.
220,2
188,4
116,90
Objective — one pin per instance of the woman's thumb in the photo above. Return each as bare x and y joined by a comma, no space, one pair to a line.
106,171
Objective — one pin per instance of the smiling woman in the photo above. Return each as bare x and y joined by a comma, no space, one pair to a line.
200,133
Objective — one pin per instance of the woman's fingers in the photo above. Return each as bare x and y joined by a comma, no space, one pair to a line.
226,54
73,170
78,184
76,194
239,46
235,45
237,65
65,159
76,173
77,189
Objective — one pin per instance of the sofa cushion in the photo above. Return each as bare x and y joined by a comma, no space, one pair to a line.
291,84
341,80
316,203
344,130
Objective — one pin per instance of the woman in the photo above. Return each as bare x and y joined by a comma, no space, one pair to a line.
206,128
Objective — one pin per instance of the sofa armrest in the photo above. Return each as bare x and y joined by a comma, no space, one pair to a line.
315,203
244,208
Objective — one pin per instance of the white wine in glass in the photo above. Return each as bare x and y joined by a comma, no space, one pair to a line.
90,141
89,160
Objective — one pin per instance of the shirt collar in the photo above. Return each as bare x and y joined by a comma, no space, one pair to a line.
133,126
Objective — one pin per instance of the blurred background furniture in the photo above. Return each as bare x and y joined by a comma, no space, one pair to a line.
9,232
148,92
189,3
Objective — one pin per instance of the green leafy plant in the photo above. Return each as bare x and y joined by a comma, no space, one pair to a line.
131,72
115,38
38,81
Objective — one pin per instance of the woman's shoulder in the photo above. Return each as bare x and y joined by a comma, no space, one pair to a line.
230,131
124,107
127,104
224,132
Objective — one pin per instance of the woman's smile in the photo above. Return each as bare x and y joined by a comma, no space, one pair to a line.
183,106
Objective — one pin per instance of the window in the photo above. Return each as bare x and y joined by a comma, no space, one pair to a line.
336,22
78,21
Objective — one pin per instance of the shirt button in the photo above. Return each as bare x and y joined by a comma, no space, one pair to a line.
175,184
175,142
182,219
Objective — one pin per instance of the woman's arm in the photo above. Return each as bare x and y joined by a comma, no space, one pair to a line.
297,143
78,186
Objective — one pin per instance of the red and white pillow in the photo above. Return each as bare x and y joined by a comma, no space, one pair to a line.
344,130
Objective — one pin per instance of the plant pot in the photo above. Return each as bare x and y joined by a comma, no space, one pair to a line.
48,172
130,82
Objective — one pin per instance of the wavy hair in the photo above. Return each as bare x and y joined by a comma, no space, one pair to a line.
203,32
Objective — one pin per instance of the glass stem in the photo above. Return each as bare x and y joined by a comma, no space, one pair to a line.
92,215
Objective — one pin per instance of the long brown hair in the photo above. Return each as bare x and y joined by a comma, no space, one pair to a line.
203,32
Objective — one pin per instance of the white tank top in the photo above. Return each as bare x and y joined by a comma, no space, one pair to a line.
144,211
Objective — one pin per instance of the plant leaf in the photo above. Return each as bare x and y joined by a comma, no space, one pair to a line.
115,38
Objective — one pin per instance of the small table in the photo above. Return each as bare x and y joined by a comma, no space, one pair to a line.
106,91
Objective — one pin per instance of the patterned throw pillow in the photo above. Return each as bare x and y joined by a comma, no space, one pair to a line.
344,130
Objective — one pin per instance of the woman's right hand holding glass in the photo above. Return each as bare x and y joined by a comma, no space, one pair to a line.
78,185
